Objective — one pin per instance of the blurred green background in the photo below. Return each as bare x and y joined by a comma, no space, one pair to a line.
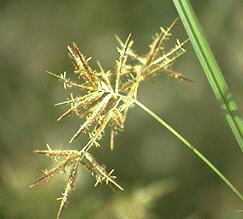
161,177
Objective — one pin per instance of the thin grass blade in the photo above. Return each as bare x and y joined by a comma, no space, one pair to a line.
211,68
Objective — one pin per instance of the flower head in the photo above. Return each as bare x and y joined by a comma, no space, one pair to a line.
104,100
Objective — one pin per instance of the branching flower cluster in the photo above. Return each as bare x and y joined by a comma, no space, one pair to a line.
104,101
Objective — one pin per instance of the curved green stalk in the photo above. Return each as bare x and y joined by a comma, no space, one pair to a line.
211,68
191,147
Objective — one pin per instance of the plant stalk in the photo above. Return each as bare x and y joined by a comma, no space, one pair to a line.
191,147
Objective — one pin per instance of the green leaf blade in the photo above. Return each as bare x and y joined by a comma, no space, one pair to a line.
211,68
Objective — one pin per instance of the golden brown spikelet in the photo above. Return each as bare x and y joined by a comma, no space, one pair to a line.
69,187
91,118
52,172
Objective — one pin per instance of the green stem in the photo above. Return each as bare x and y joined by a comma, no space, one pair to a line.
191,147
211,68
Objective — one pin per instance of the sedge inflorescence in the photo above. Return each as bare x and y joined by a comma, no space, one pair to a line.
104,101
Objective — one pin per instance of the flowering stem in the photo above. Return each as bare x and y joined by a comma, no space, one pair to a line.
191,147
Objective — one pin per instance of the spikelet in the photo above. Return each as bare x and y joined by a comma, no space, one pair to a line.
92,117
99,171
69,187
85,102
121,63
52,172
158,42
82,67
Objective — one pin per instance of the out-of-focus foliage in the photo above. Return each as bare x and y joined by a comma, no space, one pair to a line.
33,39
